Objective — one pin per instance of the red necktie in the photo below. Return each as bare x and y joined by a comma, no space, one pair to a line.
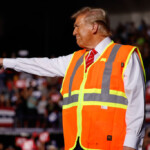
90,58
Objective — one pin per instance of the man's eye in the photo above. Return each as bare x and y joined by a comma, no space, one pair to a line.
76,26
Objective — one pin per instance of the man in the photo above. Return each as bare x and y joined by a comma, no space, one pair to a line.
103,105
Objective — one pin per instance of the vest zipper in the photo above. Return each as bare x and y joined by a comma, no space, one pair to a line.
80,100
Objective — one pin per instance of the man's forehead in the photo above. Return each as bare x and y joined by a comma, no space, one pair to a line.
80,19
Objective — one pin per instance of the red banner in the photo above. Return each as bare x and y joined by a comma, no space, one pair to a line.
44,137
19,141
29,145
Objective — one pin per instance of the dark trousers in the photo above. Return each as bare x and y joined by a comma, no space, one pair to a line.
78,147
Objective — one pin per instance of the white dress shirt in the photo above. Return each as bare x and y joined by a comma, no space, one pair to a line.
133,82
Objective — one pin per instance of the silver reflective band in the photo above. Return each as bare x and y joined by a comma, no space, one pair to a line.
105,98
73,98
108,69
70,99
79,62
97,97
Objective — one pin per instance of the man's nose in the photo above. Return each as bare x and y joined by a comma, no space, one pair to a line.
74,32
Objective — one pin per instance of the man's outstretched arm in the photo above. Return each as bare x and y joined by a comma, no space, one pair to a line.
38,66
1,61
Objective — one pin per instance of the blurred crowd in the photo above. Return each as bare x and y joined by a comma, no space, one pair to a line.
137,36
36,100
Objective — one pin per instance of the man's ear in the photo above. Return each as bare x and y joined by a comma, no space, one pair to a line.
95,28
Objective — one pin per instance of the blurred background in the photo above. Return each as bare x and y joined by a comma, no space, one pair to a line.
31,106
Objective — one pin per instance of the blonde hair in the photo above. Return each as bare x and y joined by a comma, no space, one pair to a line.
95,15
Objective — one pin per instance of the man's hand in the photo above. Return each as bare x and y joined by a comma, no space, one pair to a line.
1,62
128,148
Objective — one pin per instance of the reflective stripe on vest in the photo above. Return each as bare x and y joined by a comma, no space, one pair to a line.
79,62
97,97
108,69
104,94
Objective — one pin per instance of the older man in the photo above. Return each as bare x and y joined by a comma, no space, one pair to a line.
103,86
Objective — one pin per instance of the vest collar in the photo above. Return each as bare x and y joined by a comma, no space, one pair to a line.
102,45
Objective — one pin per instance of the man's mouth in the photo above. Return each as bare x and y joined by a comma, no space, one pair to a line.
77,37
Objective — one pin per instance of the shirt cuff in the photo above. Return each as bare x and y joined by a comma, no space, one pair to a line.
9,63
131,141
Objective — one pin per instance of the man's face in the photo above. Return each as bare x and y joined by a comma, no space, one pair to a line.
82,31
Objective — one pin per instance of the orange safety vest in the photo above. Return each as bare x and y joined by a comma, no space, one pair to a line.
95,103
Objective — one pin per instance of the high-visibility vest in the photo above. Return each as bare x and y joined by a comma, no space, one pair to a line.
95,103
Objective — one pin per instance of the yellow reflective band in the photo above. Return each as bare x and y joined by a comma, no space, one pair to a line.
80,103
72,93
98,91
94,90
96,103
70,105
66,72
66,95
129,58
142,63
103,59
105,104
118,93
83,63
106,48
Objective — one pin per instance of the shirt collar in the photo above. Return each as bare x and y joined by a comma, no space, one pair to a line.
102,45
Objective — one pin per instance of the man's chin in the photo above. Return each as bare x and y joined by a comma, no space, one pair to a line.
80,45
